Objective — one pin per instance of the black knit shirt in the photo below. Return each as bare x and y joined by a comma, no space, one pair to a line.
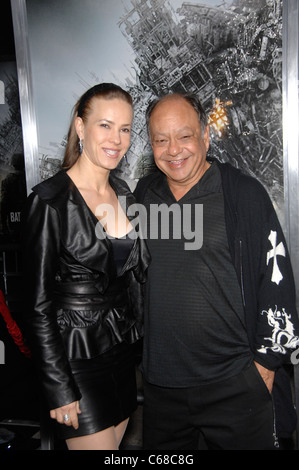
194,321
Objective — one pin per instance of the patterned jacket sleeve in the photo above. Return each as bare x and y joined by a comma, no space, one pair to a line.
277,319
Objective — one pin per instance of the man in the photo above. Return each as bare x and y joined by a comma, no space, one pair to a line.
220,318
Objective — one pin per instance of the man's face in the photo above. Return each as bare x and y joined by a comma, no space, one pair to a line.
177,141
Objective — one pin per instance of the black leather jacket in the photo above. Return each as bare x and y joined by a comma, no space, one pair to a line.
77,306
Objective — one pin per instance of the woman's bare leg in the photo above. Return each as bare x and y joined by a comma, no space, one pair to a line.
108,439
120,430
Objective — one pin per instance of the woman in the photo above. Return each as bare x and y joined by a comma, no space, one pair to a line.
85,270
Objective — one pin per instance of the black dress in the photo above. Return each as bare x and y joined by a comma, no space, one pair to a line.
107,382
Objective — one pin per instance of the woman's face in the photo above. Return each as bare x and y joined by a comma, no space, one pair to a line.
106,132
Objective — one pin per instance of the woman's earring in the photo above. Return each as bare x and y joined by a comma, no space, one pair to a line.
80,146
126,158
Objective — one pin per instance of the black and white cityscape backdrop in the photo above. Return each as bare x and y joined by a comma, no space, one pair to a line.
12,171
227,52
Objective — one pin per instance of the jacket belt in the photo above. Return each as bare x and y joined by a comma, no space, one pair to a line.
89,287
76,288
85,295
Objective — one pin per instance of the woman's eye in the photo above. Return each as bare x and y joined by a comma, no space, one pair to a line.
126,130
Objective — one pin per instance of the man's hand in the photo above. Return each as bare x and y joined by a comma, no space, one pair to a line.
267,376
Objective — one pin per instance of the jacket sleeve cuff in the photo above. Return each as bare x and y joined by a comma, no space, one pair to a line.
270,362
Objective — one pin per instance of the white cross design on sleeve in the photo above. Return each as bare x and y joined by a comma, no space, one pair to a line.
276,250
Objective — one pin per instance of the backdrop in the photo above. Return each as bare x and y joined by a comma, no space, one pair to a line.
229,53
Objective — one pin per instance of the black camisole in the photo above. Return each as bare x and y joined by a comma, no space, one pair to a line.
121,250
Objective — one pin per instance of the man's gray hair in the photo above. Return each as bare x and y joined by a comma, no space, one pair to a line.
191,98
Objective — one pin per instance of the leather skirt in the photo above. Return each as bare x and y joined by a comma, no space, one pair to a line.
108,387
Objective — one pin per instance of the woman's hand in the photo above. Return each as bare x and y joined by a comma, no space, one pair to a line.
67,414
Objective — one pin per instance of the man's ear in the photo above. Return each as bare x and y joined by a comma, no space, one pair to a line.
206,137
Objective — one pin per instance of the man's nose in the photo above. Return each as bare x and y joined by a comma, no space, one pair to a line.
173,147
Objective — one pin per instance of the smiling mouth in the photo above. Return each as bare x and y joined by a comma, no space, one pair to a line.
177,163
112,153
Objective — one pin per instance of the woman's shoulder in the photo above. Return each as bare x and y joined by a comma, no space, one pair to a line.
53,187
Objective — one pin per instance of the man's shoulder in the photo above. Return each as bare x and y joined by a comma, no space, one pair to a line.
244,191
241,182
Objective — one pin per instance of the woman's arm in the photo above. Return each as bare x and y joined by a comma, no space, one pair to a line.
41,256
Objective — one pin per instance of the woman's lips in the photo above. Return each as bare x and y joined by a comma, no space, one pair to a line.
112,153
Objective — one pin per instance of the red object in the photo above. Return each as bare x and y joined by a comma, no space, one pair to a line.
12,327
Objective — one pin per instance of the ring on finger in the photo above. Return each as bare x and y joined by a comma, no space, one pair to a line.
66,417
